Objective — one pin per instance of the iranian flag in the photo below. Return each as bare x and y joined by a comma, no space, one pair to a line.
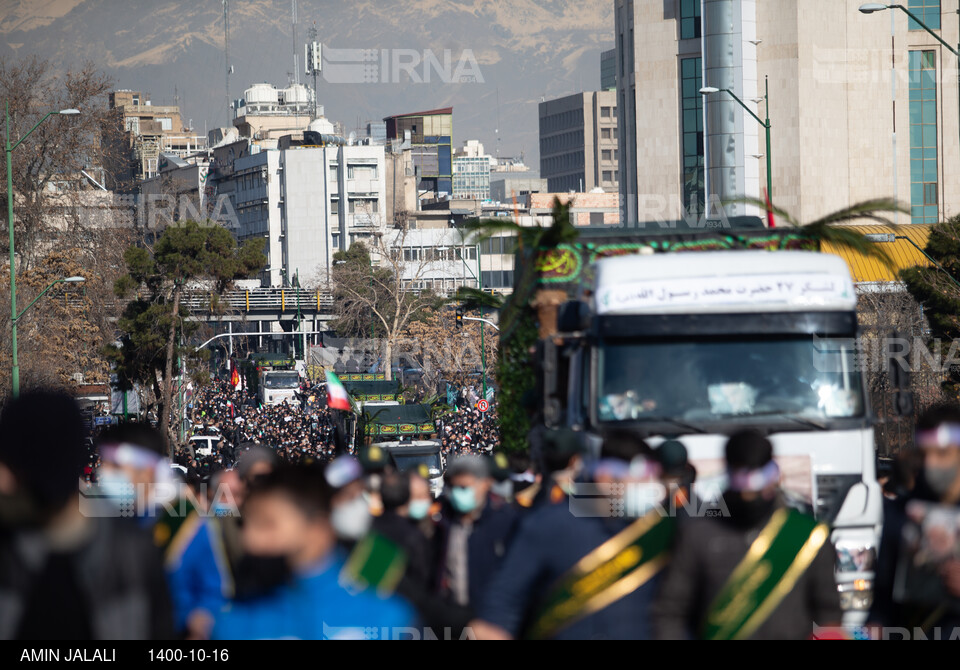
337,397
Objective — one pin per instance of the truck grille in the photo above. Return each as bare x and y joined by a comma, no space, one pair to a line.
831,492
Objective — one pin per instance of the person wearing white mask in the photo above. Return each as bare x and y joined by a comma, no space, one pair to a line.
135,473
350,515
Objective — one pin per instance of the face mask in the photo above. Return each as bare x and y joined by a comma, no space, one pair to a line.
418,509
747,513
641,499
463,499
259,575
351,520
116,486
941,479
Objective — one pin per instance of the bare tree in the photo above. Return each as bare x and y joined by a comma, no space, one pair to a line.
442,350
890,311
390,295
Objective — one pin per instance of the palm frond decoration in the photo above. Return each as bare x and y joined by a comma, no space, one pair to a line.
832,229
472,298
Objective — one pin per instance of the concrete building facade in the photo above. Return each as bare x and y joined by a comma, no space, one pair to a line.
579,142
308,203
431,139
862,106
148,131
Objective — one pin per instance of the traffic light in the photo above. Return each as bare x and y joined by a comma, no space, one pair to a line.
459,317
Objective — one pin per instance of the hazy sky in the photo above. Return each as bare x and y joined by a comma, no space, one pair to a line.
522,50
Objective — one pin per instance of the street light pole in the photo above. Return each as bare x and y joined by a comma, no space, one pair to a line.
303,345
15,383
890,238
16,320
708,90
483,353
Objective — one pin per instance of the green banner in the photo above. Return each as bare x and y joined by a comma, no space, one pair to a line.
401,429
775,561
613,570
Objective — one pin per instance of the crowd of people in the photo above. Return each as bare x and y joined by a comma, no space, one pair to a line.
304,430
469,430
350,547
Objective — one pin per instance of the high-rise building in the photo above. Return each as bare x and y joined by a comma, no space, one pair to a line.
579,142
471,172
608,70
308,202
431,135
861,106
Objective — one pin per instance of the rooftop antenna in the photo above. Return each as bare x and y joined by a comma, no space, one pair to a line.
226,57
296,56
496,131
312,65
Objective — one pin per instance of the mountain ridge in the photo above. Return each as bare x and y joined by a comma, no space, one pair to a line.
524,49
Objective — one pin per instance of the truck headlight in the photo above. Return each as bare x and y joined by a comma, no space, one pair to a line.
856,595
856,563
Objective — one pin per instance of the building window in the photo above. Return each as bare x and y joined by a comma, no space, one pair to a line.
166,123
606,154
927,11
334,207
692,128
690,19
605,112
605,133
596,218
607,176
924,179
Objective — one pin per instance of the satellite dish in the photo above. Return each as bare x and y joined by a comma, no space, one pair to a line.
352,138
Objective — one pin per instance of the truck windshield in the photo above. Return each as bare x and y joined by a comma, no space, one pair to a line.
712,378
407,462
281,380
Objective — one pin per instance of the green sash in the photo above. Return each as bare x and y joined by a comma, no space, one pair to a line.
775,561
613,570
375,562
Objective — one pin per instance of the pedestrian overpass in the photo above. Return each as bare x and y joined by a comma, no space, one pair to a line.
261,304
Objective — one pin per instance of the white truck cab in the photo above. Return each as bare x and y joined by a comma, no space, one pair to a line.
275,386
696,346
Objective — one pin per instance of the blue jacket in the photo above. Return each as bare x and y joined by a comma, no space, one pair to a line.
198,571
550,541
316,606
